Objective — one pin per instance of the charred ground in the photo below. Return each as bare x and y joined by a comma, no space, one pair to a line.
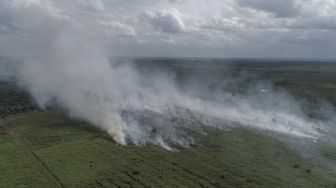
46,149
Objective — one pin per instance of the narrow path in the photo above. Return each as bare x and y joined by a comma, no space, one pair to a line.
48,170
27,149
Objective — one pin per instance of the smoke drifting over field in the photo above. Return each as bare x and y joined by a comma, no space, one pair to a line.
60,63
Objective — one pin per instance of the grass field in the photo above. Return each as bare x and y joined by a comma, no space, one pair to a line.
45,149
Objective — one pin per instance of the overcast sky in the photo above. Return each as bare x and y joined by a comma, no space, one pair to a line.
208,28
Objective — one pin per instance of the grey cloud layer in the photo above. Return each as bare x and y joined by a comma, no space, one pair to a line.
168,21
255,28
280,8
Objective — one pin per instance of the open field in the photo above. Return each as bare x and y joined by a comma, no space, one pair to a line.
312,80
45,149
167,93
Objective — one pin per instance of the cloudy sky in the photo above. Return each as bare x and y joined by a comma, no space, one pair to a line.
208,28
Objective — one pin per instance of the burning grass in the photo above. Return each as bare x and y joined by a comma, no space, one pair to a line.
48,150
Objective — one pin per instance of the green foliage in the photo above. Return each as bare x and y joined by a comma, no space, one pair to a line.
48,150
45,149
13,100
313,81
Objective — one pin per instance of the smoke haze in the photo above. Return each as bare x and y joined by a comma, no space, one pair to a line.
59,62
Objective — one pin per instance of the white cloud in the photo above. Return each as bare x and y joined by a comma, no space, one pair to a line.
168,21
93,5
280,8
242,25
114,28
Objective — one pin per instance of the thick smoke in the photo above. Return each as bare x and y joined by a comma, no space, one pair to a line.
60,62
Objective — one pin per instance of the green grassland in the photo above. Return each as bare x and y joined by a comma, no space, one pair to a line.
45,149
309,80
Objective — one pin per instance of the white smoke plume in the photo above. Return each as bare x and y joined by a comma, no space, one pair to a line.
59,61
